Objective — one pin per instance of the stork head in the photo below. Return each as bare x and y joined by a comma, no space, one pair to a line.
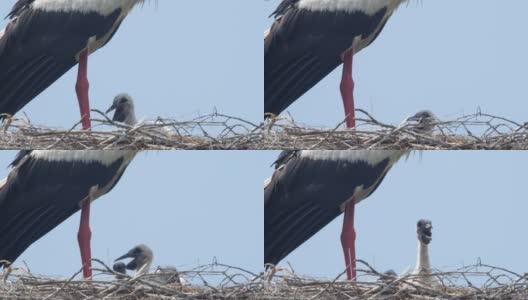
124,109
425,120
120,268
388,275
424,231
141,258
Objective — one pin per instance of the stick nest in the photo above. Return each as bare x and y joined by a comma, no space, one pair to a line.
478,131
223,132
219,281
210,132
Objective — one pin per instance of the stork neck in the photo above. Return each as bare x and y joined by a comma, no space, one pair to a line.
131,118
144,269
422,262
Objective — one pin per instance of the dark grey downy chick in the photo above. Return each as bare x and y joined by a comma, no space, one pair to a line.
142,258
425,121
388,275
124,109
119,268
424,230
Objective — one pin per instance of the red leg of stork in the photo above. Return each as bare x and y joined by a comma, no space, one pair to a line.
348,240
348,235
82,90
347,89
85,235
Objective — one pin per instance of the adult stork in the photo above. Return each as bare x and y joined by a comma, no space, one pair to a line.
310,188
44,188
310,38
46,38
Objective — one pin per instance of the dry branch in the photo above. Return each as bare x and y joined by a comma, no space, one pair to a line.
210,132
469,132
223,132
219,281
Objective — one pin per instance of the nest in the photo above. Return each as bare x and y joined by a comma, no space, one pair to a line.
212,281
210,132
219,281
479,281
223,132
478,131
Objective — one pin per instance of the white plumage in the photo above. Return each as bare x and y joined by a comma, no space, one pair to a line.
102,7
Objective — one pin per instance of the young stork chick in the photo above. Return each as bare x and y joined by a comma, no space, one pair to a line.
120,269
388,275
142,258
423,264
425,121
123,105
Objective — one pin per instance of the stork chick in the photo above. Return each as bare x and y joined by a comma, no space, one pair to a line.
425,121
142,258
120,269
123,105
423,265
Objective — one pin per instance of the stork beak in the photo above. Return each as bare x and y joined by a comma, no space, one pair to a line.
413,118
123,257
111,108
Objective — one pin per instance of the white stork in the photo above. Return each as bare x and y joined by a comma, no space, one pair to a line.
310,38
123,105
425,120
124,111
142,257
46,38
423,265
44,188
310,188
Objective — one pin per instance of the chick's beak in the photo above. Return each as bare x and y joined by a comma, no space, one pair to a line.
111,108
123,257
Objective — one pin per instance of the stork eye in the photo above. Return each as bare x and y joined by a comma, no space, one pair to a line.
122,100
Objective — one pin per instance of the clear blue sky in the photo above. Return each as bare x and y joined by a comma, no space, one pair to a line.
475,199
188,206
177,59
449,56
191,206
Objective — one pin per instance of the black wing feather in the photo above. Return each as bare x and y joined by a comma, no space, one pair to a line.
306,195
19,7
39,195
38,47
304,46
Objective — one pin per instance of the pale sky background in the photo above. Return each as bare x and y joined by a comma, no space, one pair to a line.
192,206
450,56
178,59
188,206
475,199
